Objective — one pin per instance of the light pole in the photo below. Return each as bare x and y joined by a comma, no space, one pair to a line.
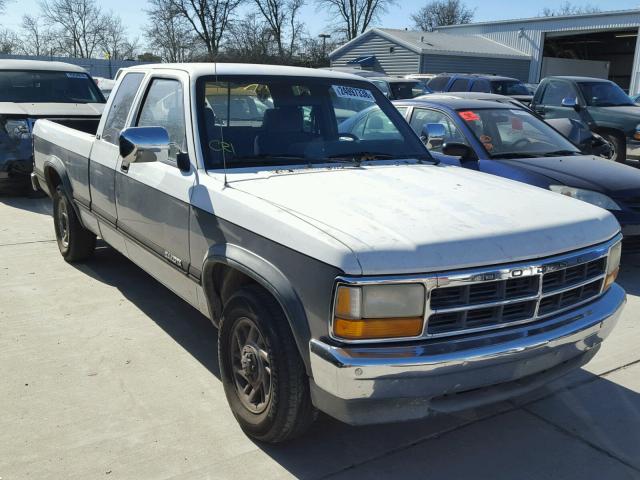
324,37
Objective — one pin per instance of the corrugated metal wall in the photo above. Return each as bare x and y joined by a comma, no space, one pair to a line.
96,67
461,64
401,62
528,35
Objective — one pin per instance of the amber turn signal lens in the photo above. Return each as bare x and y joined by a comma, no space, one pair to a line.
636,136
375,328
608,281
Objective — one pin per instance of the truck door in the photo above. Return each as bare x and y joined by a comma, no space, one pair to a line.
105,152
550,105
152,198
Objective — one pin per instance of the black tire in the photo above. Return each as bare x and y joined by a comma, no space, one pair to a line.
619,146
74,241
269,358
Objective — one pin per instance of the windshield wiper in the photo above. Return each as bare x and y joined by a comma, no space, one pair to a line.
359,157
560,153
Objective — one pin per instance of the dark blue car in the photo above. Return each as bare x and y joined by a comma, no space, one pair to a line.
510,142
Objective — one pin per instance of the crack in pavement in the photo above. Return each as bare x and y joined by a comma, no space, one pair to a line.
25,243
522,407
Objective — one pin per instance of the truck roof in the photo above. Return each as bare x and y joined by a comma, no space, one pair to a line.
10,64
201,69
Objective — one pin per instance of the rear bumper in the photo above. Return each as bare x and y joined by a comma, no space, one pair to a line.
364,385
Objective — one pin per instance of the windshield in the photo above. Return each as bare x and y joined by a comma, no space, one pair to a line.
48,87
405,90
515,133
509,87
604,94
269,120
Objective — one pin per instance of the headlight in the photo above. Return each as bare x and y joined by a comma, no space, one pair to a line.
378,311
17,129
589,196
613,264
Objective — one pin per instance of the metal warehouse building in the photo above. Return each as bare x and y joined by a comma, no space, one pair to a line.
600,44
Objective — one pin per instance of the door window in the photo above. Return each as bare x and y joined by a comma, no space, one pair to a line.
460,85
555,92
120,107
164,107
423,116
481,86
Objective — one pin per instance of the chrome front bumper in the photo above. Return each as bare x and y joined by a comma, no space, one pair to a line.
377,384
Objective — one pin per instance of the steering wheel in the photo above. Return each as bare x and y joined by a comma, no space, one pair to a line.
521,142
350,136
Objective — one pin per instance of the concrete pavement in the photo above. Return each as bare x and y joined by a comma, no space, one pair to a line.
104,373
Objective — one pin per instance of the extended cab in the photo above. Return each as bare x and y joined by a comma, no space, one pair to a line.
31,90
347,272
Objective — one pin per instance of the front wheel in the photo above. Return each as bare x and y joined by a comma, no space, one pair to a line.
75,242
262,373
618,147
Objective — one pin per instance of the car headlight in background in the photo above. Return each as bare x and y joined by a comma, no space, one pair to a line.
17,129
386,311
613,264
589,196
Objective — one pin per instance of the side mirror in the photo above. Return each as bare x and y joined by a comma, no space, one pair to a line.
455,149
143,144
571,102
433,131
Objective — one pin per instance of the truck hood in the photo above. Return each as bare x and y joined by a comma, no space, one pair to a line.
583,171
415,218
51,109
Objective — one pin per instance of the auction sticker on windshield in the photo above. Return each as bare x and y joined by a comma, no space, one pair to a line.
354,93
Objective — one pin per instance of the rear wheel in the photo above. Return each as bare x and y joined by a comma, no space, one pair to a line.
75,242
618,147
262,373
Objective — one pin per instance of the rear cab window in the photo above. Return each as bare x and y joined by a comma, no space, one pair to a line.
120,106
438,84
459,85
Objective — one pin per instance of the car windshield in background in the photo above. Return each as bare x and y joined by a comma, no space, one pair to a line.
48,87
509,87
515,133
269,121
604,94
406,90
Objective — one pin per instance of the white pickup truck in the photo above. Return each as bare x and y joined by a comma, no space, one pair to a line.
347,272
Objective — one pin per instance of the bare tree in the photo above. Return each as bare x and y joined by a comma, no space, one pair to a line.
36,37
169,34
354,16
114,41
76,25
442,12
210,19
281,15
567,8
250,39
9,42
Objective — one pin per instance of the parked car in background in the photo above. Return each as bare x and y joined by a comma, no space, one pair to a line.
354,71
32,90
635,99
423,77
576,131
347,272
473,82
396,88
510,142
599,103
532,87
105,85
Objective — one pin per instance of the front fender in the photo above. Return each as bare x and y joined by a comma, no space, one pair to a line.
268,276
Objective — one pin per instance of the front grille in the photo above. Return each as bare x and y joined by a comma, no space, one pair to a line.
488,301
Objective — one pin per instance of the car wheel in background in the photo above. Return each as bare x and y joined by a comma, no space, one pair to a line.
75,242
618,147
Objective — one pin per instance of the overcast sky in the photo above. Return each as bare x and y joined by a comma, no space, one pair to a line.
133,15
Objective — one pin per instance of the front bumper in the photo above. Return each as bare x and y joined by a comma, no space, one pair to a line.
378,384
633,149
